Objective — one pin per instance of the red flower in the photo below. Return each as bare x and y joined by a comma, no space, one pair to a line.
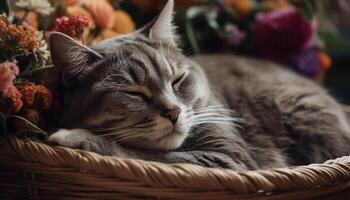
35,96
73,25
16,99
282,34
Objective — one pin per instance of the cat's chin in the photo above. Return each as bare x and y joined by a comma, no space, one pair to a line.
169,141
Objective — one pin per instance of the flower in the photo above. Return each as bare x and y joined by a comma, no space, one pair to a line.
325,60
24,35
3,27
40,6
31,18
78,10
233,35
8,72
274,4
282,34
35,96
102,12
73,25
71,2
41,54
308,63
107,33
123,22
242,7
16,99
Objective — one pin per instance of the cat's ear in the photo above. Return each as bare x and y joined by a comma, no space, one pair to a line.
162,28
70,57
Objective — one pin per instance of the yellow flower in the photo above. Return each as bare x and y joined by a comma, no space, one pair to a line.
242,7
31,19
102,11
108,33
274,4
123,22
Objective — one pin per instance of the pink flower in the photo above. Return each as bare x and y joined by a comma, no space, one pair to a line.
282,34
8,73
73,25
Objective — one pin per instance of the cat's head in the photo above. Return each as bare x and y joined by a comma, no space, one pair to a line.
137,89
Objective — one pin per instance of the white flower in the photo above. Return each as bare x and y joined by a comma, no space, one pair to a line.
41,53
40,6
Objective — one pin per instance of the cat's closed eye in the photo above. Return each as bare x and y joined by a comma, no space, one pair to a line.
137,95
178,80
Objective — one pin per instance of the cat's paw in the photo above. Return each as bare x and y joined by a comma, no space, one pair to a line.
69,138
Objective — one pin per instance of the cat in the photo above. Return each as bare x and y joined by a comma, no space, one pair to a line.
138,96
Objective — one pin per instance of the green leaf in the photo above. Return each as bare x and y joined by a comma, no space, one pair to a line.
117,4
307,9
4,7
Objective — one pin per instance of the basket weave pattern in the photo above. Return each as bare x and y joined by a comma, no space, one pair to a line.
31,170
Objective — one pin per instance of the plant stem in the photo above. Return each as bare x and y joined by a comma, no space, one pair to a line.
29,123
36,70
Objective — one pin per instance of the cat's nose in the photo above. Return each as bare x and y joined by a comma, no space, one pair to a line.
173,114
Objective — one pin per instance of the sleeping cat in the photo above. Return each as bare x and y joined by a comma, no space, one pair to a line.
138,96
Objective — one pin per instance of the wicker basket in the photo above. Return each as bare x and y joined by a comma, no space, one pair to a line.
31,170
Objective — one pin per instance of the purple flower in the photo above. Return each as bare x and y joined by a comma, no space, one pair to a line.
307,63
282,34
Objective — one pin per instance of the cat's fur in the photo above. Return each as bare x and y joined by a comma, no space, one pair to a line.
236,112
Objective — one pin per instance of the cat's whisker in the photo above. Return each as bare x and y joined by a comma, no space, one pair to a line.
215,110
215,106
135,125
235,120
230,124
211,115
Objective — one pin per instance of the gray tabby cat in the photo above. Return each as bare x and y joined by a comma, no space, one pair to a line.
138,96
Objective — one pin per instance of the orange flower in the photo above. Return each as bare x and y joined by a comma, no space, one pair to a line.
31,18
12,103
123,22
3,26
274,4
24,35
325,60
71,2
16,99
102,11
35,96
107,33
242,7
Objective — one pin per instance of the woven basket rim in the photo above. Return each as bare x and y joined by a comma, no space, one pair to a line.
185,176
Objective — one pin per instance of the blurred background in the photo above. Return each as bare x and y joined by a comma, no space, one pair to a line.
311,37
318,47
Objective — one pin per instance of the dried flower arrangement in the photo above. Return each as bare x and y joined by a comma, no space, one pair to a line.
28,103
